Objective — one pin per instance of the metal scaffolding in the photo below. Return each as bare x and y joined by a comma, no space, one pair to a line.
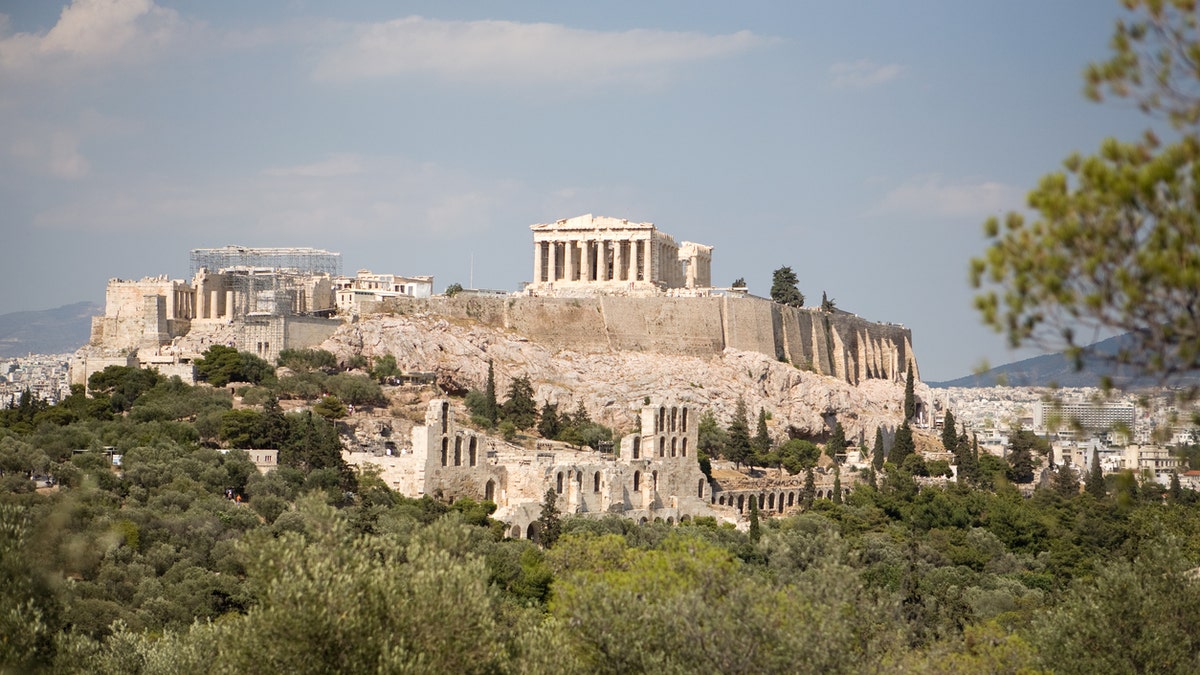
301,260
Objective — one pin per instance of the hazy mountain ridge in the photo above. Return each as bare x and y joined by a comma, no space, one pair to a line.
1057,369
49,331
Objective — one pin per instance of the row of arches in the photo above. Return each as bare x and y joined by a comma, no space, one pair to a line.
771,501
559,482
471,458
678,447
533,530
671,419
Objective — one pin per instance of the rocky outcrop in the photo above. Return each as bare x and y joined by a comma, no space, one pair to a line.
612,384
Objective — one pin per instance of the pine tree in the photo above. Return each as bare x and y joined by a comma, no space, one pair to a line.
902,445
549,424
1066,481
950,435
520,408
1095,481
877,454
491,409
1020,462
810,488
783,288
910,398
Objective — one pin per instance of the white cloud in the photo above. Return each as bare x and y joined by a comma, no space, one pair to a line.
90,33
522,53
56,154
931,195
863,73
375,198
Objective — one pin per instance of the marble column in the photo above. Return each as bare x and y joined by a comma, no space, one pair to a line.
537,262
618,260
553,272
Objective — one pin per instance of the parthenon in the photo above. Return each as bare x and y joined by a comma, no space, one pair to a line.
589,253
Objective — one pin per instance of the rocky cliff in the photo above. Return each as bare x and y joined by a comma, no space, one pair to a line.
612,383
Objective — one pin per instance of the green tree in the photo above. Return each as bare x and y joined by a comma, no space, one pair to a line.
950,433
827,304
837,485
307,359
549,425
549,522
902,445
755,531
220,365
385,368
711,438
330,407
761,443
809,493
797,454
1095,481
453,290
877,453
520,408
491,407
910,397
836,445
783,288
1114,242
1066,481
739,282
740,447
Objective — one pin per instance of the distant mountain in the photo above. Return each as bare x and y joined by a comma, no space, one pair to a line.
49,331
1041,371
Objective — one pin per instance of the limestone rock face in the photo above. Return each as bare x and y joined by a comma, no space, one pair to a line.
613,385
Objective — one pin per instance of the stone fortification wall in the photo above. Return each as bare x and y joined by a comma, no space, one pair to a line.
836,344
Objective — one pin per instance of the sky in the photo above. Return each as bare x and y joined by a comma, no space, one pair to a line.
863,144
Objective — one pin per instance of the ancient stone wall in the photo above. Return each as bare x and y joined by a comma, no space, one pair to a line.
837,344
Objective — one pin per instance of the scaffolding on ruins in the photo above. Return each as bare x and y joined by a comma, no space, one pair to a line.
301,260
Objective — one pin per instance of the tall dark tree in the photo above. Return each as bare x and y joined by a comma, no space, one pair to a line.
1095,481
950,433
902,445
739,447
783,288
1066,481
739,282
762,439
711,438
827,305
910,397
836,445
1175,491
755,528
549,522
809,493
491,408
549,425
837,485
877,453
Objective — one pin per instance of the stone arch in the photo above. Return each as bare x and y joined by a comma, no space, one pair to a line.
445,449
674,447
516,532
642,521
637,447
700,489
473,451
558,483
662,419
596,482
683,444
662,446
684,519
489,491
761,501
458,451
637,480
658,519
674,418
654,480
780,502
683,420
670,520
445,415
578,480
721,500
771,501
791,499
741,503
532,532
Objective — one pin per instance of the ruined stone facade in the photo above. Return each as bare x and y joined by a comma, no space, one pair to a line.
588,254
367,289
656,474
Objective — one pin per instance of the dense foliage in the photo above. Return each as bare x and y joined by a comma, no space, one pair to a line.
152,567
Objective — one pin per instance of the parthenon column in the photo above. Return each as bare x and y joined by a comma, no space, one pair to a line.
648,272
537,261
602,260
553,274
586,267
618,260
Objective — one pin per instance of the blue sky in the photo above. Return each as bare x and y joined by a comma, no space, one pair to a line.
862,143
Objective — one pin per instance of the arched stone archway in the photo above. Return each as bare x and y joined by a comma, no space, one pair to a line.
489,491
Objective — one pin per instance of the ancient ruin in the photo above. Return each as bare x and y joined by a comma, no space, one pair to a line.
589,254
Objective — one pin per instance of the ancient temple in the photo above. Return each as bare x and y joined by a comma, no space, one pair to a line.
589,253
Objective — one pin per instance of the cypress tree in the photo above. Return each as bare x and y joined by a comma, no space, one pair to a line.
549,520
739,435
910,397
877,455
1175,492
902,445
755,528
810,488
1066,481
837,442
950,436
1095,481
837,485
491,408
762,439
